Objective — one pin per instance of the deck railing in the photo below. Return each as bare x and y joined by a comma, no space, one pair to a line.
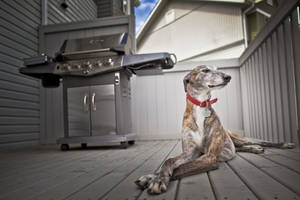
270,73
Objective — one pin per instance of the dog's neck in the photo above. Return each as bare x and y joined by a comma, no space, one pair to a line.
197,111
201,96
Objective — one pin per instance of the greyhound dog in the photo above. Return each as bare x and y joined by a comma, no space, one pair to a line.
204,140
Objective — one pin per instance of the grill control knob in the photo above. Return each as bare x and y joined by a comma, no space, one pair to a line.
99,64
68,68
110,62
88,65
78,66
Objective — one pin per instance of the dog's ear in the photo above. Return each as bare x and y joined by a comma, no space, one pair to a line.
186,80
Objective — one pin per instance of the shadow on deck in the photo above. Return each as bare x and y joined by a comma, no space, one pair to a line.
44,172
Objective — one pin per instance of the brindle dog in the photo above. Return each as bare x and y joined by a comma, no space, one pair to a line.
204,140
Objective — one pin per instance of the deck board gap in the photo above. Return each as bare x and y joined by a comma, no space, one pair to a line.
211,182
242,179
283,165
288,154
85,186
177,190
132,172
270,175
141,192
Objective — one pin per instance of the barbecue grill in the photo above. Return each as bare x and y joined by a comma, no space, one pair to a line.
95,74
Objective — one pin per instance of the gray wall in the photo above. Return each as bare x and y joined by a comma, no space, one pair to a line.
19,95
268,72
108,8
78,10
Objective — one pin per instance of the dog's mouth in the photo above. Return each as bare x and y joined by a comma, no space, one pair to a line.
219,85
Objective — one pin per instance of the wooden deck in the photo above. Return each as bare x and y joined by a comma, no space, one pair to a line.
44,172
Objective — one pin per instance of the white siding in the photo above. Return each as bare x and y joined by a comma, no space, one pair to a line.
201,33
196,29
158,104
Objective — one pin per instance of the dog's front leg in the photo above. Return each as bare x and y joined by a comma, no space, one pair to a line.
161,181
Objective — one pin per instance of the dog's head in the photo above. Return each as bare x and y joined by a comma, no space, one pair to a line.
205,78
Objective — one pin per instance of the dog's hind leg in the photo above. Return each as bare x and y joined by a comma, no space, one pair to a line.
250,148
242,141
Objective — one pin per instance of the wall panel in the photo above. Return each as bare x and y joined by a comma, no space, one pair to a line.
19,95
159,101
272,72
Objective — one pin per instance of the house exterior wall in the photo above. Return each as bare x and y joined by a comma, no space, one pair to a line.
159,103
77,10
201,33
195,29
19,94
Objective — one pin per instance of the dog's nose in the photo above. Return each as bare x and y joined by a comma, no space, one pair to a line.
227,78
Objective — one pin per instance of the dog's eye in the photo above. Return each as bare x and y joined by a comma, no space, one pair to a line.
206,70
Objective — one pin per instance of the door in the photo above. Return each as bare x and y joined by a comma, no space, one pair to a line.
103,113
79,111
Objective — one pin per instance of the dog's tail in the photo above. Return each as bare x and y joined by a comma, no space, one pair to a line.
241,141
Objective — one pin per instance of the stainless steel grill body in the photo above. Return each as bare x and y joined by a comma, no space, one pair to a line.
96,73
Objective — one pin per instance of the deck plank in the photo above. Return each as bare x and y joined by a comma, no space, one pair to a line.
195,187
101,187
172,187
283,175
284,152
127,189
43,172
99,170
234,189
48,159
284,161
40,182
45,175
52,164
264,186
297,150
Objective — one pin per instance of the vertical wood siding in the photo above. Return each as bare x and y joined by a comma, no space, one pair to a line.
269,83
19,95
158,104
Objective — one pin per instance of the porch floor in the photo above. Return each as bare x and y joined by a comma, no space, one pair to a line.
44,172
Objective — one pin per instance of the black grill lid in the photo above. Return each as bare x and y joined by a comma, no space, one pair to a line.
108,45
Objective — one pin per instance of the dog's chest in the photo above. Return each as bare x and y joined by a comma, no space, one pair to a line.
199,136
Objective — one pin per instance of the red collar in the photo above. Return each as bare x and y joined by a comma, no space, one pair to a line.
199,103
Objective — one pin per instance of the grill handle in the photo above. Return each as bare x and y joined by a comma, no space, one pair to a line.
85,104
93,102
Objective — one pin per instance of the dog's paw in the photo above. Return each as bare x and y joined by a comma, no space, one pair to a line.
288,146
144,181
158,186
257,149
